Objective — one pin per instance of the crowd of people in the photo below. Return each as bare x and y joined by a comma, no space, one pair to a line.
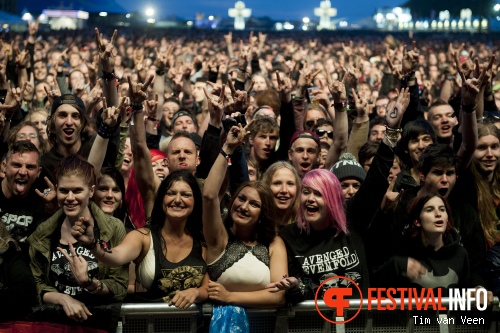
242,171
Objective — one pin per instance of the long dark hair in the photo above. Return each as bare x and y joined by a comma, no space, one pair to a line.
117,177
416,206
194,226
265,229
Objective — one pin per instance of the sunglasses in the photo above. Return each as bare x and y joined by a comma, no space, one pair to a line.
312,122
320,133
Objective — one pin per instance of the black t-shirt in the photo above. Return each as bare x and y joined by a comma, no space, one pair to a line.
61,274
22,216
320,255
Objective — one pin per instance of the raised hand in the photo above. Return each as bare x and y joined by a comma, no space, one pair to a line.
151,107
30,88
54,93
395,115
77,265
162,58
337,89
49,193
109,115
395,70
107,51
348,50
391,199
410,58
240,98
137,91
361,104
22,59
12,100
471,86
284,87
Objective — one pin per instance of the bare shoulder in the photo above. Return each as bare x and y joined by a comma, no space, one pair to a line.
277,245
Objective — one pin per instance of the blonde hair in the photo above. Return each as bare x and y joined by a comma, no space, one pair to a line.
486,190
292,212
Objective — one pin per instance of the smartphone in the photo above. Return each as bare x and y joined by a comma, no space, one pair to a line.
309,91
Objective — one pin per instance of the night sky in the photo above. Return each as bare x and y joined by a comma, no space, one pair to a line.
276,9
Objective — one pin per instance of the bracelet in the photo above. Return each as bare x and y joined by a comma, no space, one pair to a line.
137,106
468,109
160,72
99,288
393,129
88,283
149,118
241,76
108,76
390,140
226,156
341,107
105,131
91,245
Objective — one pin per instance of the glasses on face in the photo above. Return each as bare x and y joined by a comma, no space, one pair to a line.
25,136
320,133
312,122
380,107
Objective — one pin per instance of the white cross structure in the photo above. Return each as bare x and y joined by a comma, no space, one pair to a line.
325,12
239,12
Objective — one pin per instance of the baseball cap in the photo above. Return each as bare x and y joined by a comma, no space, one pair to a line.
70,99
305,134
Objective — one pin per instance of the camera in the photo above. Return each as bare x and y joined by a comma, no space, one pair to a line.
230,122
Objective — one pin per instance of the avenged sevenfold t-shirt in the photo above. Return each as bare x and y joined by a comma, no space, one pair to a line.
60,271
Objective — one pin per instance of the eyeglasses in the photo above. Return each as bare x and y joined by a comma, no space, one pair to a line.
312,122
320,133
24,136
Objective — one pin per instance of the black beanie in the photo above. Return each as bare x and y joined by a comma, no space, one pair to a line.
348,167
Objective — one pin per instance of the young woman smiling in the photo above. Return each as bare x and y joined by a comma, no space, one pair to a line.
65,272
284,182
169,256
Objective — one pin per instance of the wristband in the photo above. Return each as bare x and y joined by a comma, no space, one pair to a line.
88,283
105,131
341,107
468,109
149,118
108,76
393,129
240,75
137,106
160,72
226,156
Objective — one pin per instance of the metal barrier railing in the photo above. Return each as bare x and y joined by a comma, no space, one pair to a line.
303,317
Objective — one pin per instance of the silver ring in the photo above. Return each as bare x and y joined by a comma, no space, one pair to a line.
46,192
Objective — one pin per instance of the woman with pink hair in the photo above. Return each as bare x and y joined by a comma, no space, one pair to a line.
320,246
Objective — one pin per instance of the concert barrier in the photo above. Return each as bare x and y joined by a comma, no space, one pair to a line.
304,317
